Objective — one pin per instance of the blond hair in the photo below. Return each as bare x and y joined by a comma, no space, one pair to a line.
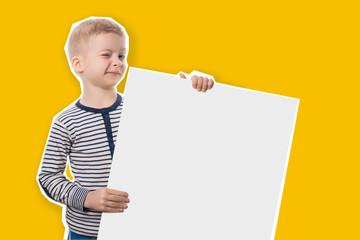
83,30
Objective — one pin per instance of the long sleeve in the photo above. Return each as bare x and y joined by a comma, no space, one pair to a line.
51,173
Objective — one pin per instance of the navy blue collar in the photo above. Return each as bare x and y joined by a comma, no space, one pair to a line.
100,110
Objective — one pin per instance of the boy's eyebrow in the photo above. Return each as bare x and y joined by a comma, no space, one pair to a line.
108,49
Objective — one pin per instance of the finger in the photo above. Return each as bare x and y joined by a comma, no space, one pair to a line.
182,75
194,80
112,209
116,192
211,83
200,82
115,205
205,84
116,198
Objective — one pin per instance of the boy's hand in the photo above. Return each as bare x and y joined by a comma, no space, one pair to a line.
199,82
107,200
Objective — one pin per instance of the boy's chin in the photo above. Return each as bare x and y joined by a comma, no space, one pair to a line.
105,84
111,86
113,82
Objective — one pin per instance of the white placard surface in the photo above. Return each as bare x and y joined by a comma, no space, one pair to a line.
198,165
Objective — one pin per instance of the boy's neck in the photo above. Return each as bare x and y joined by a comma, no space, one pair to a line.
98,98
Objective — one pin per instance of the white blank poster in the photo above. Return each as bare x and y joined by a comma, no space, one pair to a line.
198,165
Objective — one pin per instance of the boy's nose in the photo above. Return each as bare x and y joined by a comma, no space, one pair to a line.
116,62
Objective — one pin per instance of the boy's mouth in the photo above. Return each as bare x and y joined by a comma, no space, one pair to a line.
113,73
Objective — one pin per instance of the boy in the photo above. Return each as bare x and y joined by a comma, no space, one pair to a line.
86,130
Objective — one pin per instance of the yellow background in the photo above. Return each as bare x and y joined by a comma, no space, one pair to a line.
302,49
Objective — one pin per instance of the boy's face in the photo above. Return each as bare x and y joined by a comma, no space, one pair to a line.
104,61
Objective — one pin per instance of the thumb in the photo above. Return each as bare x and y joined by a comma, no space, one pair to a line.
182,75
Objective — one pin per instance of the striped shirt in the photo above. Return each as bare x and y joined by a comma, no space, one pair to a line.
87,137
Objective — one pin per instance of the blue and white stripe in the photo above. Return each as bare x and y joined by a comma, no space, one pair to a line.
86,136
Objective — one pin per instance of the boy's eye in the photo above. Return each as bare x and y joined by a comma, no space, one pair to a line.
121,56
106,55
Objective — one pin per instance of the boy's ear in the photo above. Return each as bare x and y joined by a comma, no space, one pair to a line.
76,64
